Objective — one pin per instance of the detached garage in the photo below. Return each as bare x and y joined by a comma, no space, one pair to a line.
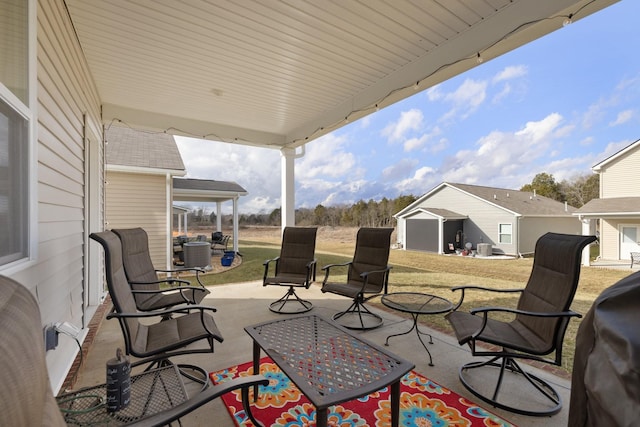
432,229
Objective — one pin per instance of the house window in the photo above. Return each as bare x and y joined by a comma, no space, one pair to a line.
504,233
15,122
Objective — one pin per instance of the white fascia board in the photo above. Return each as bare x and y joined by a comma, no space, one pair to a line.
143,170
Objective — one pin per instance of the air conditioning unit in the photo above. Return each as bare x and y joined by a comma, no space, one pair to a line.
485,249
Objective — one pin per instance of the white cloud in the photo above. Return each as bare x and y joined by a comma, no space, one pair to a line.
465,99
415,143
505,158
424,177
257,170
510,72
623,117
399,169
409,121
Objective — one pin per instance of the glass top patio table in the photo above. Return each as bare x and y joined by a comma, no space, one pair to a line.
328,363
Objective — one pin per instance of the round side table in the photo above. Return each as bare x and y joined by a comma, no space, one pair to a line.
416,303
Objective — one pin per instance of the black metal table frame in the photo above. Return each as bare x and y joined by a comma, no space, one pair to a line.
402,367
387,300
161,386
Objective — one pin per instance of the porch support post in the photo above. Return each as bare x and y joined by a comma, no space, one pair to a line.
588,228
235,224
219,216
287,210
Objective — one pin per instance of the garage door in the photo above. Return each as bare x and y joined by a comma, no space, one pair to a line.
422,235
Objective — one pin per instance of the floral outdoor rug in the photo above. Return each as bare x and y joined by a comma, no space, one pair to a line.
423,403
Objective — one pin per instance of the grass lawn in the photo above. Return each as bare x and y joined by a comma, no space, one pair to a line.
424,272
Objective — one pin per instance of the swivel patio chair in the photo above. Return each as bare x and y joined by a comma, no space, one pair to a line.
294,268
367,277
142,275
26,398
153,341
533,330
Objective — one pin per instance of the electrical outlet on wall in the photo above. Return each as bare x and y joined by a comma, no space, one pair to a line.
50,337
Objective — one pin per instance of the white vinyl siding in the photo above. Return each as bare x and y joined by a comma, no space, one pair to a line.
65,93
619,179
483,217
140,200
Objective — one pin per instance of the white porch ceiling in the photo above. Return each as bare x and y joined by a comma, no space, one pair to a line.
282,73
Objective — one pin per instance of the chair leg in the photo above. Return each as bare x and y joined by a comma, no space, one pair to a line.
358,316
290,303
507,365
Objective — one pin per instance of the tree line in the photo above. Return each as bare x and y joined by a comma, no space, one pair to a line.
379,213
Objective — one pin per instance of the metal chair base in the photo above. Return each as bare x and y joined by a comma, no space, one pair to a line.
358,317
510,366
290,303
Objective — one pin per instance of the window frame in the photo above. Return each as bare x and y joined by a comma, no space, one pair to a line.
28,112
501,234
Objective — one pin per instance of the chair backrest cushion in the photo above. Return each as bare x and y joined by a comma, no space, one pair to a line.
371,253
553,282
26,398
297,250
136,259
120,291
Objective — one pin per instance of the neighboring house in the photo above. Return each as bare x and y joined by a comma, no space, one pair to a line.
509,220
139,186
618,207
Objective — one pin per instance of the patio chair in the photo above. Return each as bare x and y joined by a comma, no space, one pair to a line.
535,328
153,341
294,268
367,277
26,397
219,242
143,276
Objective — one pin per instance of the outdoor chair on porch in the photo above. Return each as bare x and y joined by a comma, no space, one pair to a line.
294,268
153,336
143,276
367,277
534,329
26,397
219,242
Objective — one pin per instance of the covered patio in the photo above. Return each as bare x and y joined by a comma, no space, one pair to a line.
244,304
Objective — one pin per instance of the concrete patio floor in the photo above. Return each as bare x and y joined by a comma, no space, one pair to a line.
243,304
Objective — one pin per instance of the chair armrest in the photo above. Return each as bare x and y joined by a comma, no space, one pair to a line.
477,288
327,269
311,271
486,310
266,269
207,395
179,309
169,281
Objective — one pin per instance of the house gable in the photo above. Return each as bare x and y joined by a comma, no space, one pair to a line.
618,173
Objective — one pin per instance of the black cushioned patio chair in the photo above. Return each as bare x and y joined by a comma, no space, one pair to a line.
26,398
153,341
367,277
143,276
294,268
219,241
535,328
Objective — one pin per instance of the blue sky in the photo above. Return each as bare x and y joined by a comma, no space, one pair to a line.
558,105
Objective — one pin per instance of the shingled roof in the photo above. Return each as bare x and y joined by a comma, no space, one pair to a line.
139,149
521,202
